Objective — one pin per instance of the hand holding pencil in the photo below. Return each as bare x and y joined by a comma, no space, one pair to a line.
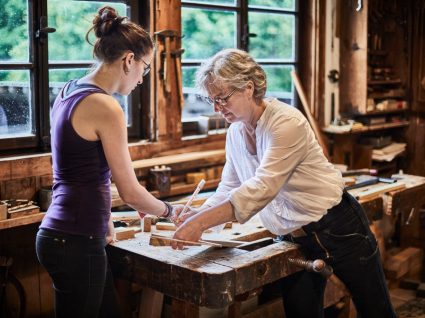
186,212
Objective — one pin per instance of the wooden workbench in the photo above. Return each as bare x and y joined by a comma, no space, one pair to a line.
201,275
207,276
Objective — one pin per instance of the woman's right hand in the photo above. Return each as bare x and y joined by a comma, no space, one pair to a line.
179,217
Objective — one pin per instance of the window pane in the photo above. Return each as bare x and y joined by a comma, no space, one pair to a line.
280,4
72,20
16,114
222,2
194,105
206,32
275,36
14,44
59,77
279,82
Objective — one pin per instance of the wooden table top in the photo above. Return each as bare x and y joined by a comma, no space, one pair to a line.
202,275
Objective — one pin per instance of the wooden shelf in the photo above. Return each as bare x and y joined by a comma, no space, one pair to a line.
23,220
208,157
386,96
384,82
383,112
365,129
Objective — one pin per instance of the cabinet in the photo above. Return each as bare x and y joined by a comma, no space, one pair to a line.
374,80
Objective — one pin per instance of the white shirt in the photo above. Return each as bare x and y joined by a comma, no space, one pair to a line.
289,181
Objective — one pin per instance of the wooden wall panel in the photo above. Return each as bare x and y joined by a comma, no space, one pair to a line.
5,170
24,188
353,62
34,166
167,17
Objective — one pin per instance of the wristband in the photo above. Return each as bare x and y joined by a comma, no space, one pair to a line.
168,210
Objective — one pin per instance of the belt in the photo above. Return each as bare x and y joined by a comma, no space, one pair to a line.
298,233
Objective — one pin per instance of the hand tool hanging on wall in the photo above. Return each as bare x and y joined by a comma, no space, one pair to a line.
177,54
166,36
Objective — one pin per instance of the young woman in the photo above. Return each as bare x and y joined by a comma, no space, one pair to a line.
275,167
89,143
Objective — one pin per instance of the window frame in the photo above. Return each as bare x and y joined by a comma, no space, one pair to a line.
242,10
39,67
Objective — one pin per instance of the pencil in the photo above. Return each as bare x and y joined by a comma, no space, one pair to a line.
195,193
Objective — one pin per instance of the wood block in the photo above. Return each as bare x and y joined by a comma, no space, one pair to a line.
210,173
403,262
3,211
147,224
195,177
155,240
28,210
164,226
123,233
396,266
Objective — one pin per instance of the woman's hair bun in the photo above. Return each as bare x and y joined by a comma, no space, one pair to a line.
106,21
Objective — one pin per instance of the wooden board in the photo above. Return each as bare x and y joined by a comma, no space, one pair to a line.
375,190
28,210
24,220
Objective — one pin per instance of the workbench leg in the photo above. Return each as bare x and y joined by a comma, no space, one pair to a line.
235,310
150,305
348,310
182,309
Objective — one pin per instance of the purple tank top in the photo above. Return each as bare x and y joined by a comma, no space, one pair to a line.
81,200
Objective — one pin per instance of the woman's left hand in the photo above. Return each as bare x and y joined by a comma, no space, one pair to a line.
188,231
110,237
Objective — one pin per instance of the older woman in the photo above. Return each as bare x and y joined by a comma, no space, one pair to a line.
275,167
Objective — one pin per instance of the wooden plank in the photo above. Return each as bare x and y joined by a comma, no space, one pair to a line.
375,190
3,211
24,220
353,64
28,210
123,233
313,123
24,188
30,167
5,170
151,302
212,156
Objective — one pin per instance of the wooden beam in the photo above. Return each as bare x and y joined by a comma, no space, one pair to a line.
310,118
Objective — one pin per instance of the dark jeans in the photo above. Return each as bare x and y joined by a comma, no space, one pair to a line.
343,239
81,277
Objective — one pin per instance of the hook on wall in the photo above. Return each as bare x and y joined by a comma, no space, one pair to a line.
359,5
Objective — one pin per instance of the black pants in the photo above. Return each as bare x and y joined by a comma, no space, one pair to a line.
343,239
81,277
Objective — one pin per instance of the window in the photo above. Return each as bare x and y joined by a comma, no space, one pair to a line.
265,28
35,63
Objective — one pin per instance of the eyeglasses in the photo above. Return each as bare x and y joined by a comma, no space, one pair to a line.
145,71
219,101
147,68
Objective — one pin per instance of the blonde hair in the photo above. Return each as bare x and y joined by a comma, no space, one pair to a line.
233,68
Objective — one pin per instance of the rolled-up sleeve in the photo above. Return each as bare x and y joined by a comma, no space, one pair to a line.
287,147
